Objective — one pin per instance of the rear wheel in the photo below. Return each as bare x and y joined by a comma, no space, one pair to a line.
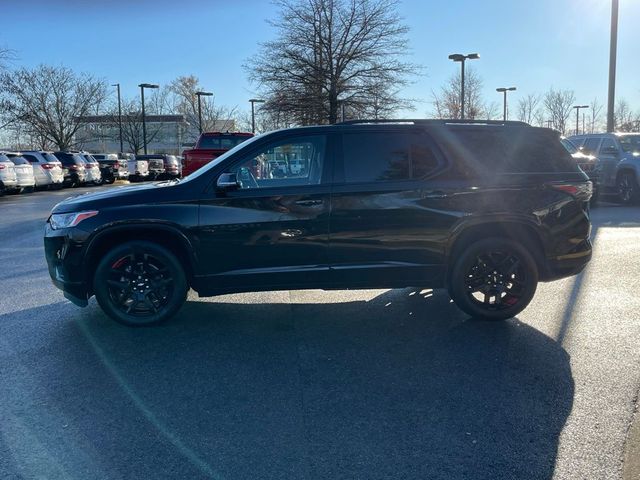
140,284
628,189
493,279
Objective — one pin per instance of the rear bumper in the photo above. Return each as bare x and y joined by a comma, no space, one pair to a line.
568,264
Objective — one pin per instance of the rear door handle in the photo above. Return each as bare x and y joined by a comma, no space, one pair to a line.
308,203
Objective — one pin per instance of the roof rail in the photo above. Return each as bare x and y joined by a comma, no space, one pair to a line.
426,121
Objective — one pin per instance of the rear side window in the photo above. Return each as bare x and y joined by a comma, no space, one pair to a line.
488,150
386,156
20,161
221,142
608,147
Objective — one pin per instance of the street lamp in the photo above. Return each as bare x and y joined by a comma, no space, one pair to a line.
612,65
253,101
200,94
504,107
578,107
458,57
119,115
144,121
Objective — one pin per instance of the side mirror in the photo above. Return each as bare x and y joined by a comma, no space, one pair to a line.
228,181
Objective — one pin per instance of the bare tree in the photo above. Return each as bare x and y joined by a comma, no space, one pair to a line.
328,51
625,120
595,115
527,107
558,105
48,100
185,102
446,102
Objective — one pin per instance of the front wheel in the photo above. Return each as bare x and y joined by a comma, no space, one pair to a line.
493,279
140,284
628,189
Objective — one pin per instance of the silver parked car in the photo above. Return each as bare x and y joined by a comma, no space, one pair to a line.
47,169
24,173
8,180
92,168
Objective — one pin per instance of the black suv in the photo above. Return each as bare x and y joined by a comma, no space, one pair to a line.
484,209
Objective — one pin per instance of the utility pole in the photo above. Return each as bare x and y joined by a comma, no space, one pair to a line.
458,57
613,48
253,101
578,107
504,90
144,120
117,85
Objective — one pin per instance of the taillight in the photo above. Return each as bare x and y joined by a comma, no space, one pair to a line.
1,166
87,166
48,166
582,190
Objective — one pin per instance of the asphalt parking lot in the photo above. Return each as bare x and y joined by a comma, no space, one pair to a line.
321,385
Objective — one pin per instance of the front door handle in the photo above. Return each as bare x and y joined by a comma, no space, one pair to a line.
435,194
308,203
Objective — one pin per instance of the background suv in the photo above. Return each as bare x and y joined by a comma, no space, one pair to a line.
8,180
486,210
73,169
619,162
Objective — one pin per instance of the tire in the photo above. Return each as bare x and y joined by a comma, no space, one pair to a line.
513,277
140,284
110,180
628,189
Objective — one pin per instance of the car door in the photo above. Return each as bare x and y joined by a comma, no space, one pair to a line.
270,229
608,158
388,223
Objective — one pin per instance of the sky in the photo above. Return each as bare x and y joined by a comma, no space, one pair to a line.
531,45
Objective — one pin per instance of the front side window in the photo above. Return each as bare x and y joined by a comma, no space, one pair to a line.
608,147
591,145
630,143
290,163
386,156
30,158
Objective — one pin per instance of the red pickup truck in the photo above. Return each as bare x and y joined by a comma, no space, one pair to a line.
209,146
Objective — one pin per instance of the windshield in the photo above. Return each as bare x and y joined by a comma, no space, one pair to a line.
571,148
221,158
630,143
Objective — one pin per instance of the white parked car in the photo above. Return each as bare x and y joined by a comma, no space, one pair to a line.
138,170
24,173
8,180
47,169
92,168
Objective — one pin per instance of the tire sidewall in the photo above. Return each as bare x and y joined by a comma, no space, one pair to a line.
635,192
468,257
180,287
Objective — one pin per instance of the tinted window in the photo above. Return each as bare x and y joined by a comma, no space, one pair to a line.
20,161
291,163
221,142
386,156
485,150
591,145
630,143
50,157
571,148
30,158
608,147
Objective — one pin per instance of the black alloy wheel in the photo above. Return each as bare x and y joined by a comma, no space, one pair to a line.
493,279
140,283
628,189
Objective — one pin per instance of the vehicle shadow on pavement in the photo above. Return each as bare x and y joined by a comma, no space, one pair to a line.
401,386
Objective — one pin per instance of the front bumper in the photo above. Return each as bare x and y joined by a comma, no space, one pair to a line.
63,253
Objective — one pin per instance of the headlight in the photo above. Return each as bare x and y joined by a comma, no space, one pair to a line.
67,220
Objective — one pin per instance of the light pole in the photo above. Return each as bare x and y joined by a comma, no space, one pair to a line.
144,120
117,85
200,94
253,101
578,107
613,47
458,57
504,90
